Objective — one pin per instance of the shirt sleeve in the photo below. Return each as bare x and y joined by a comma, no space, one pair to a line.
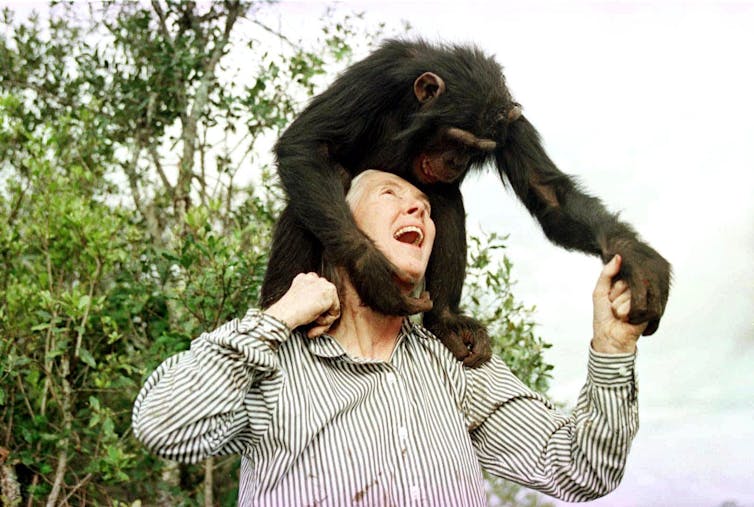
199,402
519,436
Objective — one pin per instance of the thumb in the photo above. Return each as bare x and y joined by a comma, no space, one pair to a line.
605,280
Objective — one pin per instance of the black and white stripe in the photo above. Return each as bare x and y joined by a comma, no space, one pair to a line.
317,427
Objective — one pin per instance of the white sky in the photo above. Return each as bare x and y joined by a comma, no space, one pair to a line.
650,105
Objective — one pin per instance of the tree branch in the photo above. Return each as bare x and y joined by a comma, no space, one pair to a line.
133,178
82,482
65,409
163,22
276,33
209,465
85,317
201,98
148,142
160,171
133,182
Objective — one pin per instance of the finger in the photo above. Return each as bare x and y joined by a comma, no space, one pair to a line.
306,277
473,360
479,354
418,305
622,306
617,289
639,329
455,344
328,296
316,331
605,279
326,319
335,306
622,299
333,312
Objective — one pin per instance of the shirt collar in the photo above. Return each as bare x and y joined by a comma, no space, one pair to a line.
324,346
327,346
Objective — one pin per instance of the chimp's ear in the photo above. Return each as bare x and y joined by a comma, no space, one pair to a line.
428,86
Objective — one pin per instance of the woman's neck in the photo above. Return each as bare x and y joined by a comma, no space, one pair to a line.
362,332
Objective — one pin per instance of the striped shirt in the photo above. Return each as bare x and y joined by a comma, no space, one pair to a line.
315,426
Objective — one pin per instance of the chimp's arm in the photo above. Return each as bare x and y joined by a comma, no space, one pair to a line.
576,221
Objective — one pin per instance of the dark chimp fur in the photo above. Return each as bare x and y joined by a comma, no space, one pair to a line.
370,118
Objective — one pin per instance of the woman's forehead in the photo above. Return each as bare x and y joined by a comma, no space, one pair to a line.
372,178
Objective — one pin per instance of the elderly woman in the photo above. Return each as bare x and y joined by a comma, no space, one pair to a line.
331,403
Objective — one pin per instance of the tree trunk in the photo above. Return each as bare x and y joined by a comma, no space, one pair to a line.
67,406
209,465
190,119
10,490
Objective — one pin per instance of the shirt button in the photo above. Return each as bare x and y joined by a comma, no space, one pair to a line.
390,377
403,433
622,371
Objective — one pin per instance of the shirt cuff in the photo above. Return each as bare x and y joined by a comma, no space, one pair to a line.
611,369
265,326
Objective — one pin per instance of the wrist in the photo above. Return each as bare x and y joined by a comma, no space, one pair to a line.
280,313
607,345
260,326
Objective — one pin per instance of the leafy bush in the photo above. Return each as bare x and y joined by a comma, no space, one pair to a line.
136,205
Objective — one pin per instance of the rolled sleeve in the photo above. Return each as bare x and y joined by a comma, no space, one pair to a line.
520,436
194,404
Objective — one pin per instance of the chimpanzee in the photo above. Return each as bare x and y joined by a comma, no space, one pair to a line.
430,113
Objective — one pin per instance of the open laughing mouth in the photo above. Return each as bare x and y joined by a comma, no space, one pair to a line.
410,234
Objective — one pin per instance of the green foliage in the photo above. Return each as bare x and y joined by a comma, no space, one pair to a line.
115,254
136,204
488,295
66,256
507,494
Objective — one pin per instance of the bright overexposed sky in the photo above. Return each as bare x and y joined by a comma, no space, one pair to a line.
650,105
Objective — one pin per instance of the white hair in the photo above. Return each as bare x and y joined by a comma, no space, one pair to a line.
357,187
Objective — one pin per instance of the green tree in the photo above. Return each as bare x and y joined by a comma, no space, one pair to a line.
136,202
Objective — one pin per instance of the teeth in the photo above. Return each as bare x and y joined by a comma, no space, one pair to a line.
408,229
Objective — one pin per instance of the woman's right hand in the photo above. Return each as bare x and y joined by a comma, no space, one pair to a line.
310,298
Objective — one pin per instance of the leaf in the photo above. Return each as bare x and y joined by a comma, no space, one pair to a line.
94,403
108,427
87,357
83,302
